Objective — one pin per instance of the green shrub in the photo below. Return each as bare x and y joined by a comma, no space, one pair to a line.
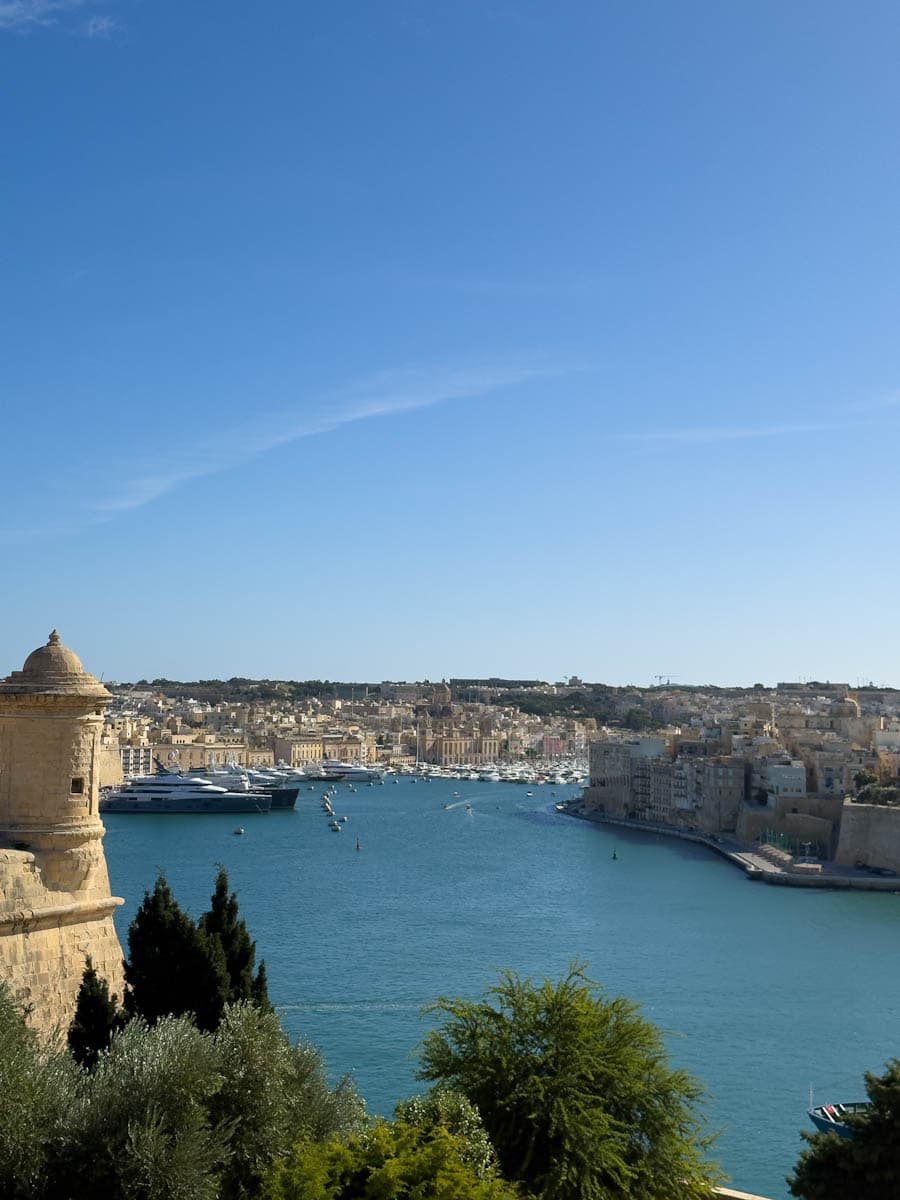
392,1161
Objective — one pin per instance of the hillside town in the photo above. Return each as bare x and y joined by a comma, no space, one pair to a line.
804,769
396,726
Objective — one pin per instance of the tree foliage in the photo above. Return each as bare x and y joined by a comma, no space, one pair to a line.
866,1166
574,1090
168,1113
391,1161
174,967
596,703
96,1018
141,1125
222,922
876,793
445,1108
37,1090
638,719
271,1093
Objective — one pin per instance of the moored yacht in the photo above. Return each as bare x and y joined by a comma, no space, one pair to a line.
282,790
348,772
169,792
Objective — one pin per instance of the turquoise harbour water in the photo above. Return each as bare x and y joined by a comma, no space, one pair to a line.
761,991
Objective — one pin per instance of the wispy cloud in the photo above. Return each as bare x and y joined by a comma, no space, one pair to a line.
100,27
736,433
24,16
27,14
384,394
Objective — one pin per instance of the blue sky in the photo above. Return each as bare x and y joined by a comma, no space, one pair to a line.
414,339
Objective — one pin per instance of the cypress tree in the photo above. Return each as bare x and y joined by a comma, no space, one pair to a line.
96,1018
260,990
175,967
223,922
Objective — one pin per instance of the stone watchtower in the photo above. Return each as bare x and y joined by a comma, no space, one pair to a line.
55,904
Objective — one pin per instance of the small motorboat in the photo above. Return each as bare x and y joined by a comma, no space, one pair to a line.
831,1118
334,827
237,832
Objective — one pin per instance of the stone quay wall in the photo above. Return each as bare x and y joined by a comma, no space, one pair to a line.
870,834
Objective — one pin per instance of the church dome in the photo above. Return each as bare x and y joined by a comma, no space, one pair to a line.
53,668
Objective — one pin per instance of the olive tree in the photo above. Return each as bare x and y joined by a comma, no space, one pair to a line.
271,1093
37,1087
140,1125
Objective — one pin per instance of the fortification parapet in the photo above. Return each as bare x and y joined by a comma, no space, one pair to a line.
56,906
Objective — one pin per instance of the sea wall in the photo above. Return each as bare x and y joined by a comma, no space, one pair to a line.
753,822
807,818
870,834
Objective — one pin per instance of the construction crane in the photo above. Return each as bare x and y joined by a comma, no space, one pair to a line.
664,677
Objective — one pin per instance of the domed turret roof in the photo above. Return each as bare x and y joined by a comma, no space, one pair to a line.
53,668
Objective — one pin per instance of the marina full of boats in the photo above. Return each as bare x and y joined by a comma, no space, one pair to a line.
227,789
236,789
534,774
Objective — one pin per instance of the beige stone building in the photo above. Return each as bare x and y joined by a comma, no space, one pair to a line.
297,751
195,752
347,748
55,902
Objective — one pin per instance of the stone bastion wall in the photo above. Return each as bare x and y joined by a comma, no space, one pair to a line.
46,934
870,834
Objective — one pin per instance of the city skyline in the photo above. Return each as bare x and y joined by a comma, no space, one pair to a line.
462,341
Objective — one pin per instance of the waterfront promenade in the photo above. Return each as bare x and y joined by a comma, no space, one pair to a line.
750,858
